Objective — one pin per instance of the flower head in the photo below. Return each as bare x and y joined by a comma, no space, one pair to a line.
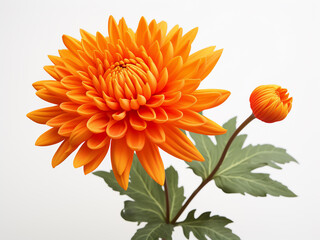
131,90
270,103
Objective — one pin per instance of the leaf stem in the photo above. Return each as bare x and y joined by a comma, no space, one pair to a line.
210,177
166,191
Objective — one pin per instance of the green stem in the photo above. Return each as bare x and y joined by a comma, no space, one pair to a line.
210,177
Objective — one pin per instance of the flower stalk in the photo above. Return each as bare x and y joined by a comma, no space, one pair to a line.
214,171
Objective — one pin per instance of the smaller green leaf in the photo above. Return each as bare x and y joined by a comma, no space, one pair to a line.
176,194
154,231
205,226
209,151
255,184
109,178
148,197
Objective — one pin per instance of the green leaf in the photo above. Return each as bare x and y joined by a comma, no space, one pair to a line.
235,174
148,197
176,194
205,226
208,151
256,184
154,231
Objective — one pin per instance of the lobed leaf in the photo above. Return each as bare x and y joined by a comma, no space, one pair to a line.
154,231
148,203
176,194
207,226
235,174
148,197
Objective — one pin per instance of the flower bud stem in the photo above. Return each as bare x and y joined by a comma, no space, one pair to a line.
210,177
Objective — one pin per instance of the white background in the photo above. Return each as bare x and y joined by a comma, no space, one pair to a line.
264,42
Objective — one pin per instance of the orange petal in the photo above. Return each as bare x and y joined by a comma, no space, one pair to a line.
113,30
40,84
71,43
190,85
86,155
163,79
210,63
203,53
142,28
209,128
116,129
135,139
190,69
190,36
71,82
49,97
171,98
119,115
50,137
61,71
174,66
80,133
209,98
161,115
56,60
121,154
174,86
50,70
98,141
146,113
69,107
186,101
67,128
101,42
151,161
173,114
167,52
155,133
88,36
91,166
44,114
192,118
155,101
136,122
179,145
101,104
78,96
123,179
59,120
62,153
88,109
98,123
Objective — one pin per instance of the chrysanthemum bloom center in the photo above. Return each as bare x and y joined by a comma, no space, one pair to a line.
135,90
270,103
130,83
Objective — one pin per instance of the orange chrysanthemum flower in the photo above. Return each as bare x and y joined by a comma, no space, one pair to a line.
133,89
270,103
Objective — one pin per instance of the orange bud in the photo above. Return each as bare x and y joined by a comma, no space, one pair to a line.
270,103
